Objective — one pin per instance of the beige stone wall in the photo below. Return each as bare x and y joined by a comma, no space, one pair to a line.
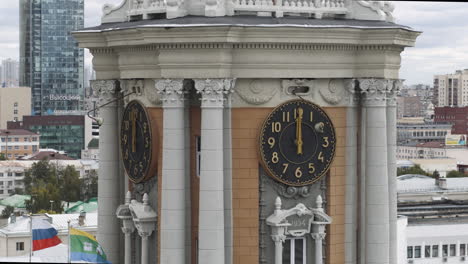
246,123
10,96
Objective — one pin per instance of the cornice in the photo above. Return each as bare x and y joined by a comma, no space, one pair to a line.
250,37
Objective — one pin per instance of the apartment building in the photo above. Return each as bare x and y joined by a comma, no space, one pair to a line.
17,143
451,89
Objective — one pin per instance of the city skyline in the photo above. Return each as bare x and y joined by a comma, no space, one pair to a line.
441,49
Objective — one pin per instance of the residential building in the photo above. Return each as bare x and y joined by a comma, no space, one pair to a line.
9,73
92,151
15,238
410,106
457,116
15,102
16,143
451,89
50,61
63,133
12,172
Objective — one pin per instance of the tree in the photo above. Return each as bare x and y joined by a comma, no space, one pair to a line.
70,184
42,183
89,185
2,156
455,174
7,211
416,169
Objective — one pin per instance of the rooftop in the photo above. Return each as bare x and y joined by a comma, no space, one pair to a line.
16,132
413,183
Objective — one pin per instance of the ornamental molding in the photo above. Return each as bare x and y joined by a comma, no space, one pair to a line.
256,93
373,91
96,51
172,92
213,91
129,10
105,90
332,94
290,192
318,236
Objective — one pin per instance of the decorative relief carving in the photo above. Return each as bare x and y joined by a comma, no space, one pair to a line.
139,189
332,94
374,91
290,192
106,90
134,86
172,92
318,236
213,91
256,92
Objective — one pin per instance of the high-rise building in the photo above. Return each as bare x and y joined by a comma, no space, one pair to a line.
9,72
451,89
14,104
50,61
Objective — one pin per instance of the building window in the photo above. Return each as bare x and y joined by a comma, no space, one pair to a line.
26,147
10,147
26,139
444,250
16,139
462,249
452,250
15,112
294,251
19,246
10,174
15,104
409,252
16,147
19,174
427,251
417,252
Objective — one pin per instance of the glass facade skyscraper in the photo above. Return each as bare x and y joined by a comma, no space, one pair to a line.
50,61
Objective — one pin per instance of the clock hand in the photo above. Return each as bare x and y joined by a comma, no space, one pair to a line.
299,141
134,117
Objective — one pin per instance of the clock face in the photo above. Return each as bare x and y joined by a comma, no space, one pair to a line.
137,144
297,143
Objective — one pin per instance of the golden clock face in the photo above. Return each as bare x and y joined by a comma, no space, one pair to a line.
297,143
137,143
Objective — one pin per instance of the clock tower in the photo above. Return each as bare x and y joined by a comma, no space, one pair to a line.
247,131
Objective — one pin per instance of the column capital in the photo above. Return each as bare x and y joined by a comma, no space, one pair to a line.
373,92
318,236
353,94
213,91
172,92
105,90
394,86
278,238
127,230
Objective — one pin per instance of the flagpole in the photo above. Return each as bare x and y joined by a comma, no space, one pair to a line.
69,240
31,242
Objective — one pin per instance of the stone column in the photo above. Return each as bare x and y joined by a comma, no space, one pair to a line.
211,210
279,240
173,191
108,181
392,87
227,162
318,238
376,171
351,191
144,247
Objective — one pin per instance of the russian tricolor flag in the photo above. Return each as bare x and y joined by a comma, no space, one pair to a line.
44,235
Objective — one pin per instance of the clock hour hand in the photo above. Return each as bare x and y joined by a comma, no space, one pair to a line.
299,141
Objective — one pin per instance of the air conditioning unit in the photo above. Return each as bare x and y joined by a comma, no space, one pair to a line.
462,258
444,259
410,261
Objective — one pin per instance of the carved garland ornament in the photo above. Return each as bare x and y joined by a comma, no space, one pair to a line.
332,93
256,93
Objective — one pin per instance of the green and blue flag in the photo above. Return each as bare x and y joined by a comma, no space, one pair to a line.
83,246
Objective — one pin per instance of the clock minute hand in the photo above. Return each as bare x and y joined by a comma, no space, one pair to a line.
133,117
299,141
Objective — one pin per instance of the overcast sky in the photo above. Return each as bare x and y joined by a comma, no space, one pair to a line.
442,48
